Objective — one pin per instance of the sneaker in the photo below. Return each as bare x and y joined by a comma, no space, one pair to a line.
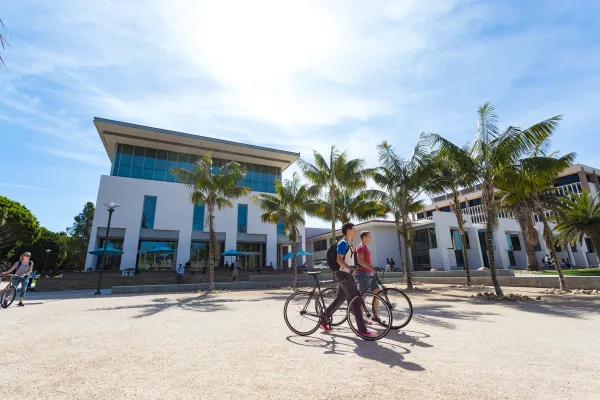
368,333
325,327
21,305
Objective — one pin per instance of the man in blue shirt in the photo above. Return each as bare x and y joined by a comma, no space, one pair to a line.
346,285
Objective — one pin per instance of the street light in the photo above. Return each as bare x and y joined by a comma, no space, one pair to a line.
111,207
46,262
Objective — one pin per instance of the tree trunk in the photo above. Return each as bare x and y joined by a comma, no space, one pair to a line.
211,249
293,259
407,272
532,264
461,231
489,239
332,205
549,239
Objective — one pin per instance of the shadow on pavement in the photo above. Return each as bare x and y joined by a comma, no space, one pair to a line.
568,307
201,303
442,314
382,351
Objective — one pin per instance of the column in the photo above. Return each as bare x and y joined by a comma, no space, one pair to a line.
130,248
583,179
183,247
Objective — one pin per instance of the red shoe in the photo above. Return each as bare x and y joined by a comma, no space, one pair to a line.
325,327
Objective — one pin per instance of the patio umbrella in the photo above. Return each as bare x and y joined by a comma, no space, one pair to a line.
232,253
303,253
288,256
161,250
110,251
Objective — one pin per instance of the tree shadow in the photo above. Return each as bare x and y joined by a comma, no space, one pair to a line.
442,314
568,307
201,303
384,352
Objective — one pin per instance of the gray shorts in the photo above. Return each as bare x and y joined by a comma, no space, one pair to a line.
366,283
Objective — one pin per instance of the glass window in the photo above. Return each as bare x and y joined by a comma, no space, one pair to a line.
537,246
281,228
243,218
159,175
149,212
156,262
172,160
124,171
126,155
474,202
320,245
198,220
574,247
456,242
161,159
515,242
432,239
136,172
113,262
138,157
589,245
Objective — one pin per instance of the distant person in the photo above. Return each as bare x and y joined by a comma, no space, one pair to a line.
23,271
180,273
226,265
235,276
392,265
387,265
271,266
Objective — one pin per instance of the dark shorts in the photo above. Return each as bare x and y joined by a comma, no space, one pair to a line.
366,283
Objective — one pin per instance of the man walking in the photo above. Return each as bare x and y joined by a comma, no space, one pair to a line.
346,285
366,283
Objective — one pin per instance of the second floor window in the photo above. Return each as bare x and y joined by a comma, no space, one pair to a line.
198,219
149,212
242,221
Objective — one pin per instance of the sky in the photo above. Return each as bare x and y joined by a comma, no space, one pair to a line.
297,76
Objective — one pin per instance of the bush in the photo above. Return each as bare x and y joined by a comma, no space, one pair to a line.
433,270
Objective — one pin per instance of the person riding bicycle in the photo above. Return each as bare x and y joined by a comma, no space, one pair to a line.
24,268
346,285
366,283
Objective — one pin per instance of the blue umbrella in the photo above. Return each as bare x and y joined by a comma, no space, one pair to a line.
110,251
232,253
303,253
288,256
161,250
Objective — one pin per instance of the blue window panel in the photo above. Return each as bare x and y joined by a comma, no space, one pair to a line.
170,177
456,240
198,219
281,228
172,160
271,179
509,242
159,175
149,212
214,170
474,202
161,159
136,172
256,186
445,209
138,157
463,205
148,173
242,218
150,159
124,171
264,187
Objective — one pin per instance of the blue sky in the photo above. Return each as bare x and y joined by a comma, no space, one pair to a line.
291,75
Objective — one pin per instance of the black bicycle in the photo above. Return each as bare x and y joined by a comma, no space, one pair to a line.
304,311
396,299
9,293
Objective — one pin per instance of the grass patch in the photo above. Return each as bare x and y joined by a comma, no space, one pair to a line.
575,272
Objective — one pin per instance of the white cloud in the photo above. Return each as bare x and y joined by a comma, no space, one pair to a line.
25,187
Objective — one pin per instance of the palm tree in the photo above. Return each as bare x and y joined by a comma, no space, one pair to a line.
491,151
402,182
3,42
290,206
214,190
339,173
521,184
452,171
579,216
353,206
527,188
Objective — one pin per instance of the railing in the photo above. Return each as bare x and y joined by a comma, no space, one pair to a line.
565,190
478,215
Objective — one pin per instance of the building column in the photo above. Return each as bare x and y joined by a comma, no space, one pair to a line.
271,249
501,253
130,248
90,260
583,179
184,243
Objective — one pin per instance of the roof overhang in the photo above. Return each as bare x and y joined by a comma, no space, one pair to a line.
114,132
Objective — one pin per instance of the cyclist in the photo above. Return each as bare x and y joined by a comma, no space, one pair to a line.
366,283
346,285
24,268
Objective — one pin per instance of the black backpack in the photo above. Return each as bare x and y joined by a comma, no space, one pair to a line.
332,255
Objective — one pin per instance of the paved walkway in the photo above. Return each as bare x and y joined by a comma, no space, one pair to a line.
236,345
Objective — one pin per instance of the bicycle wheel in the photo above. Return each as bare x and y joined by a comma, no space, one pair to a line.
302,313
384,316
400,304
8,296
339,316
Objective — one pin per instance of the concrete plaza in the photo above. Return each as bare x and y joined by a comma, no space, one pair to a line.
236,345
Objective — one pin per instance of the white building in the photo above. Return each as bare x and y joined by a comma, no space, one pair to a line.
155,211
437,242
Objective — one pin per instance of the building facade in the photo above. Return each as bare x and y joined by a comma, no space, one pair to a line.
437,243
156,212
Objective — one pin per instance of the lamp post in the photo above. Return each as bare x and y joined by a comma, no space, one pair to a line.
46,262
111,207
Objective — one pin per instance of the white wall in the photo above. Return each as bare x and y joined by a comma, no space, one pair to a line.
174,211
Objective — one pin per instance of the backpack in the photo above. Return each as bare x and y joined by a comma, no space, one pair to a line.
332,255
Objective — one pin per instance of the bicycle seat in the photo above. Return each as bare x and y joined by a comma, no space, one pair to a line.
314,272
